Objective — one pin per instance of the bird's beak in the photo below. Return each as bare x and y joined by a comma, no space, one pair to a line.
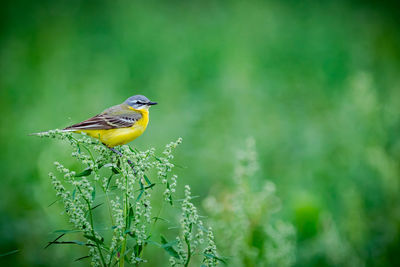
152,103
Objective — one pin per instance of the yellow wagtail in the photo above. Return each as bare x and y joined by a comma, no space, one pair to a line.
119,124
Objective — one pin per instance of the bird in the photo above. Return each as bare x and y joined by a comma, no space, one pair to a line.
117,125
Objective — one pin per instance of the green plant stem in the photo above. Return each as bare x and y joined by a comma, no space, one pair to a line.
122,256
92,228
94,236
126,207
189,252
109,209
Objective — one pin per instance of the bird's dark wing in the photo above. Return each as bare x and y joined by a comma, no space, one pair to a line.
105,121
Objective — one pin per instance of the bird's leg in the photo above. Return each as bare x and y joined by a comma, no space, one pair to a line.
120,154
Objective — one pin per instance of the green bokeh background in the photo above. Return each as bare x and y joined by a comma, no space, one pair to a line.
316,83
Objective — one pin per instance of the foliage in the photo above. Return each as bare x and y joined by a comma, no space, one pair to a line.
126,192
243,218
316,83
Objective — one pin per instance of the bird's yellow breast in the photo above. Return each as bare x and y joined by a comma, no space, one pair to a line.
121,136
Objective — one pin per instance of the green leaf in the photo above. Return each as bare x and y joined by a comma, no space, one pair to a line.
58,237
100,165
147,179
86,172
95,239
211,256
113,169
66,231
140,195
76,242
131,234
156,218
73,242
9,253
94,193
149,186
109,181
151,242
138,249
52,203
81,258
141,184
179,166
73,193
98,205
92,208
130,217
113,187
168,246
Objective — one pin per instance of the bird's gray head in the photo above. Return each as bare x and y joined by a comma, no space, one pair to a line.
139,102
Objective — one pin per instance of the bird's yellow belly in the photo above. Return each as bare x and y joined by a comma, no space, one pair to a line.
116,137
120,136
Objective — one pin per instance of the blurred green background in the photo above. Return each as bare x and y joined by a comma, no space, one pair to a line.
316,83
